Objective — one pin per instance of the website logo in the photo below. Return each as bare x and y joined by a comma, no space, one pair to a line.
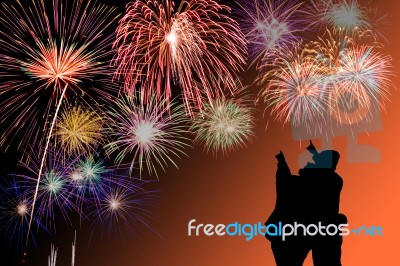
280,229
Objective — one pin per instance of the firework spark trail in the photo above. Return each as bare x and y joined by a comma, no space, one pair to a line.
271,25
53,256
151,133
158,48
73,251
43,159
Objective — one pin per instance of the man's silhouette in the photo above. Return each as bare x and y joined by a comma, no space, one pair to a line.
312,197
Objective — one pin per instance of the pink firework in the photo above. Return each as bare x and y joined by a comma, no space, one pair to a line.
160,45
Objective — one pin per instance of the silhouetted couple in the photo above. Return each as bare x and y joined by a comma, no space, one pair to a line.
311,198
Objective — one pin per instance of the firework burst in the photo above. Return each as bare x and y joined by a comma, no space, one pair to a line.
78,131
225,124
152,135
160,45
47,55
271,25
347,15
124,208
88,178
364,80
296,89
54,192
14,212
359,74
15,206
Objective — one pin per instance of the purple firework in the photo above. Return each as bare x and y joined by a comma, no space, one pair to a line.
271,25
124,207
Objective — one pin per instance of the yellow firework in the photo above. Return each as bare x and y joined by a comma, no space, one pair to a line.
78,130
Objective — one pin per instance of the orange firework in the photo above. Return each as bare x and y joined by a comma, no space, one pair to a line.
46,52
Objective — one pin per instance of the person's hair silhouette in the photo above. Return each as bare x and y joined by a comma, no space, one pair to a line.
312,197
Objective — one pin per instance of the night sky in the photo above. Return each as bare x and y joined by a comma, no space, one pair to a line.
240,187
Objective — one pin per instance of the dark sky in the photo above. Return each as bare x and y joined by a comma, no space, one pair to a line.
239,187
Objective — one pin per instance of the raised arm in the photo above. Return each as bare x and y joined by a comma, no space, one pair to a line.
311,148
283,169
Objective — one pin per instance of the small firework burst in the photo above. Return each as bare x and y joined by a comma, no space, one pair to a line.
296,89
225,123
124,208
347,15
78,131
14,212
15,206
91,170
271,25
159,45
153,135
88,177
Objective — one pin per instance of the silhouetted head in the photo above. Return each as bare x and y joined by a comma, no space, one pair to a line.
327,159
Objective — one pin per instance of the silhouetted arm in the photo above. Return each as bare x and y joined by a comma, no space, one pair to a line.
311,148
283,170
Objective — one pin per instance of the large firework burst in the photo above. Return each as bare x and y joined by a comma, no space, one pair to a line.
296,88
49,52
271,25
358,70
160,45
226,123
78,131
150,134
